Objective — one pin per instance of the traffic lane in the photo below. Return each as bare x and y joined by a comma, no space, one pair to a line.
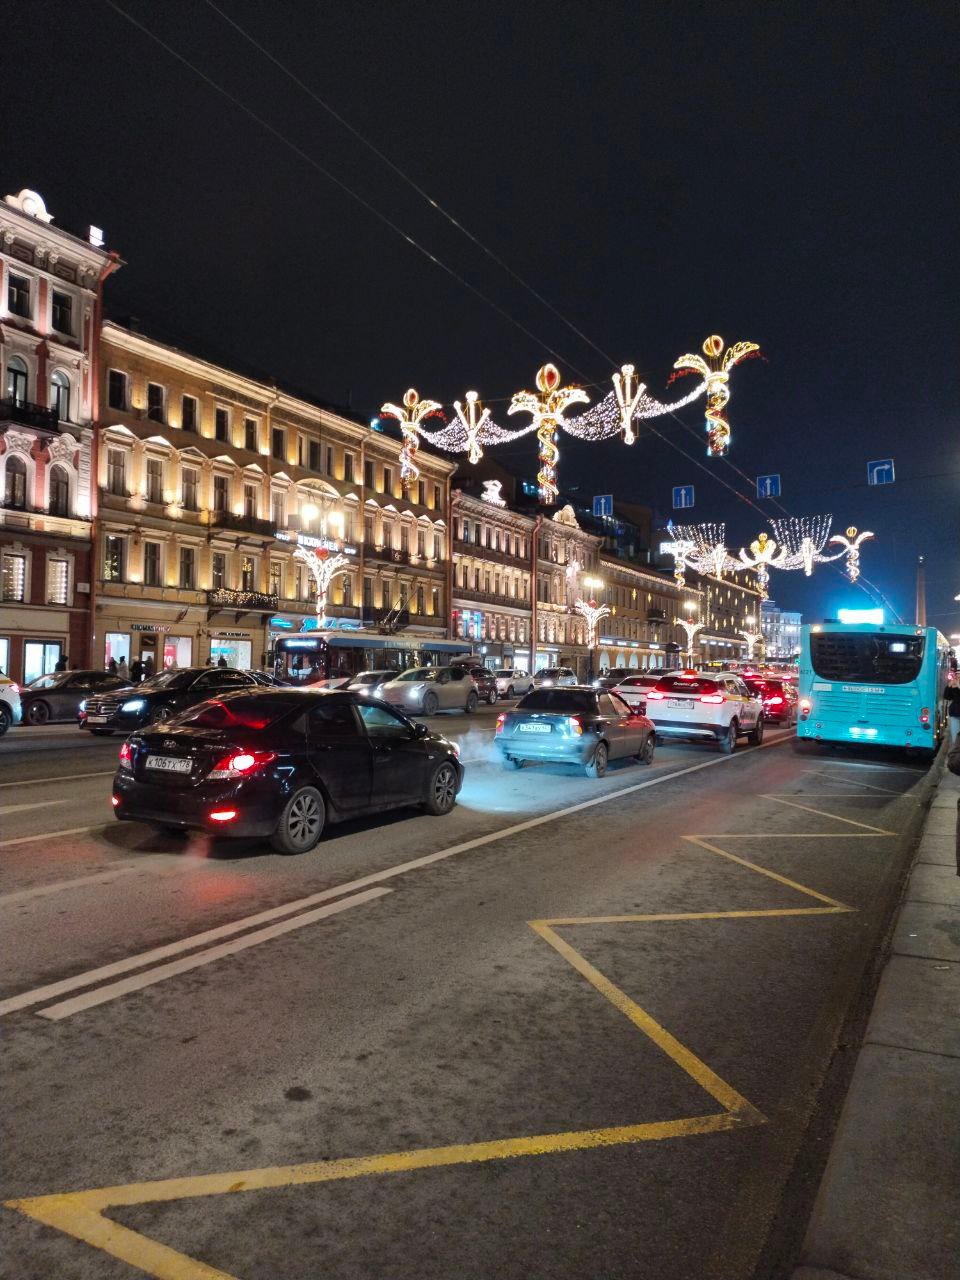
437,1016
148,888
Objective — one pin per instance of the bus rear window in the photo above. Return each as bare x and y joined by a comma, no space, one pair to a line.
861,657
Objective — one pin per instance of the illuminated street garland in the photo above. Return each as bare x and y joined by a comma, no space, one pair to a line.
628,393
324,567
710,555
546,413
410,417
803,538
851,550
715,371
764,556
472,425
594,614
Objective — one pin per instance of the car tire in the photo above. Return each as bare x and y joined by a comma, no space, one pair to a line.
755,736
645,754
6,719
493,699
511,693
430,704
598,765
38,712
102,733
471,706
442,790
160,715
728,743
301,823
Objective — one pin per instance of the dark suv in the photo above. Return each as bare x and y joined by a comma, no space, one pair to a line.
486,682
160,699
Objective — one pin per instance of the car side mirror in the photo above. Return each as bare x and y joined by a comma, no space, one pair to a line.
420,730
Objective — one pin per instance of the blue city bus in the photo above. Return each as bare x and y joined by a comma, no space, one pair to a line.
310,657
877,684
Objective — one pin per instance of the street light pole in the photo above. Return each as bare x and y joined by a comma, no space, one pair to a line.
690,627
593,613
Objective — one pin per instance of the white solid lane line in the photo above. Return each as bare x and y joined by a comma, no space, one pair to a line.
60,886
35,804
66,1008
49,835
26,999
61,777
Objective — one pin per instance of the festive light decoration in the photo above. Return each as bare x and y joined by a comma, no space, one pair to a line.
715,371
803,538
681,549
851,549
604,419
691,629
413,412
753,638
324,567
710,554
491,493
594,614
472,425
628,393
764,556
546,413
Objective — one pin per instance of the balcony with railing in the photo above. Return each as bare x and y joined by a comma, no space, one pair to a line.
492,598
233,523
225,598
29,415
491,554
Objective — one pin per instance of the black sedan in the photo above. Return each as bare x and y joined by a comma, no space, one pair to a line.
58,696
159,699
281,763
574,725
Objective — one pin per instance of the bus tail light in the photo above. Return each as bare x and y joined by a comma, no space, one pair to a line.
712,697
805,705
925,717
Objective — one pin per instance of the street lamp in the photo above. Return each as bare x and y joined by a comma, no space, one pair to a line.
690,628
593,613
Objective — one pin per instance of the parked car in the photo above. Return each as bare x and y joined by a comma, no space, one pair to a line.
573,725
58,696
11,711
613,677
485,682
282,763
369,683
633,689
778,697
159,699
550,676
512,682
427,690
714,706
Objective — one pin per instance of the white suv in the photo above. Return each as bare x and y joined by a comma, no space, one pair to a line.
10,709
634,688
717,707
550,676
512,683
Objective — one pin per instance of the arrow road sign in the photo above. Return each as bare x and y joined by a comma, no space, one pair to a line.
682,497
880,472
603,504
768,486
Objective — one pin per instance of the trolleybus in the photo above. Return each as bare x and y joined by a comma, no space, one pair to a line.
312,657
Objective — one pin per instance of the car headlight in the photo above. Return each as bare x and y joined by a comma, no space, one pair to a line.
83,705
134,704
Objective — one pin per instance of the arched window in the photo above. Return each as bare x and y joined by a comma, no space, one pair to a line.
15,491
60,395
59,504
16,380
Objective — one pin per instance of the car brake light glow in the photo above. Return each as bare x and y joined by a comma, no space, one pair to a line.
712,697
115,800
925,716
574,725
222,815
805,705
500,720
655,696
775,700
126,756
240,764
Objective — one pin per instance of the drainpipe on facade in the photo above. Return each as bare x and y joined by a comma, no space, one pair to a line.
535,551
454,494
97,324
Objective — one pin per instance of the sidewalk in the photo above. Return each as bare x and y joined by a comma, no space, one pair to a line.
888,1207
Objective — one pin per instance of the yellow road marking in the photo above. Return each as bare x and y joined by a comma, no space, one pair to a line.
836,817
81,1214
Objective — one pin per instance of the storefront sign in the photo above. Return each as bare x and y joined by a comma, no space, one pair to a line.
281,624
230,635
308,540
161,627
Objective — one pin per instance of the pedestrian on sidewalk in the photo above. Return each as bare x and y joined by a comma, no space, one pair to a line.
123,671
952,695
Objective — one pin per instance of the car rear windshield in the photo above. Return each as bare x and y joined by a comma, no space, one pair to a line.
864,657
237,713
686,684
373,677
567,701
642,680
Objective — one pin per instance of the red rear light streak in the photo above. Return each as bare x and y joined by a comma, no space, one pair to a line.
222,815
500,721
805,705
240,764
712,697
126,756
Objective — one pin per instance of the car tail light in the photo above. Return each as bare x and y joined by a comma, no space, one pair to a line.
222,815
126,756
653,696
501,718
925,717
805,705
115,801
712,697
774,701
240,765
575,725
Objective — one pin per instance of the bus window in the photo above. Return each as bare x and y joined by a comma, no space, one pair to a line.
857,657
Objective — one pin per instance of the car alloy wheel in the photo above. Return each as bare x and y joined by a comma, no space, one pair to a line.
6,719
443,790
38,713
598,765
493,698
430,704
755,737
301,823
728,742
511,693
646,751
471,706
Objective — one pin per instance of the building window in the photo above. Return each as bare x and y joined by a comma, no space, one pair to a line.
14,577
368,475
278,510
299,451
329,461
250,501
422,493
18,296
221,424
437,547
346,590
154,402
218,571
385,595
388,481
278,444
348,467
247,574
314,455
117,472
60,395
62,312
404,539
421,606
276,578
437,498
59,504
116,389
15,489
188,413
187,566
191,489
435,602
298,582
368,531
154,480
16,380
250,434
113,558
421,543
151,564
221,492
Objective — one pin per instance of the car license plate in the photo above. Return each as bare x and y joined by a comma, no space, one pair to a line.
534,728
676,702
96,719
170,764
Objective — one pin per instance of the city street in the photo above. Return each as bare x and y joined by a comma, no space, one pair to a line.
577,1028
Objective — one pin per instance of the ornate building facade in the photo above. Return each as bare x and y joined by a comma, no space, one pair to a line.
211,488
564,557
643,630
50,303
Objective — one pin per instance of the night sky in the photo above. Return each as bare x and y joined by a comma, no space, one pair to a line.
780,173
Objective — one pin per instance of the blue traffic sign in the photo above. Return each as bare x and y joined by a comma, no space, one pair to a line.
603,504
768,486
880,472
682,496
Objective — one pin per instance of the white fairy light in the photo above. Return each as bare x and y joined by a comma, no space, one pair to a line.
410,416
851,549
690,629
324,568
546,413
628,393
803,538
715,371
764,556
472,425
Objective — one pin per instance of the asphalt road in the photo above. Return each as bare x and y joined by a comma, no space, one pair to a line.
575,1029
